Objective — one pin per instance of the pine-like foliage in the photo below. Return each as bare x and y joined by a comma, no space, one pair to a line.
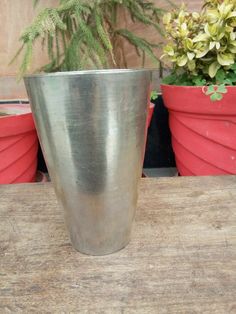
82,34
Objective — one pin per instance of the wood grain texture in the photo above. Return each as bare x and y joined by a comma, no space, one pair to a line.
181,259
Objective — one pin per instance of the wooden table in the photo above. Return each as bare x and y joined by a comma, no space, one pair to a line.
182,257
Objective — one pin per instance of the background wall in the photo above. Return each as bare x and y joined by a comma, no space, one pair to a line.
15,15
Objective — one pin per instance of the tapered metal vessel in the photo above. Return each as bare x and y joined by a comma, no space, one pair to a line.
91,126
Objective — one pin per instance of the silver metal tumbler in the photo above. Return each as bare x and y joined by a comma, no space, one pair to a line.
91,126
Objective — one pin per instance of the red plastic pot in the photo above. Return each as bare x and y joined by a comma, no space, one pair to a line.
203,132
150,113
18,144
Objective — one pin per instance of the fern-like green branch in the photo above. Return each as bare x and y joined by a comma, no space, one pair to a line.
81,34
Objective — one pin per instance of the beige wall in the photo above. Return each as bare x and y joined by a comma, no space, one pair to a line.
15,15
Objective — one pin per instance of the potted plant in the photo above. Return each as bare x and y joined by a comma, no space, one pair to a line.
91,123
88,34
18,143
200,92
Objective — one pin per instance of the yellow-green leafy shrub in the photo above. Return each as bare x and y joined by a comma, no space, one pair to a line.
202,46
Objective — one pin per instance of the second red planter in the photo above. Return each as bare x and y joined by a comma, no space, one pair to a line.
18,144
203,132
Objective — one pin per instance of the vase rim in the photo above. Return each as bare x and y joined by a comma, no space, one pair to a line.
87,72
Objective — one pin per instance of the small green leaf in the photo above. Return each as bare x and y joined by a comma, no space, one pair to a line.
182,61
229,81
199,81
210,90
225,58
221,89
190,55
232,78
170,79
216,97
233,67
213,68
220,76
154,95
200,37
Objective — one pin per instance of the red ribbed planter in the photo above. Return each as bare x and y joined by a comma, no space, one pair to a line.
150,114
148,122
203,132
18,144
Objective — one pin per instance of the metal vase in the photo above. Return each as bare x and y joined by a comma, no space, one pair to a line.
91,126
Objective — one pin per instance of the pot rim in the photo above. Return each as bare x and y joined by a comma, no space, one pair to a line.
193,86
15,101
14,107
88,72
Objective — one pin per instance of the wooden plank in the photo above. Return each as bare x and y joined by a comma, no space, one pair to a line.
182,257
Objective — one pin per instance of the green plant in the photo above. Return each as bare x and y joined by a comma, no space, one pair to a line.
202,46
154,95
83,34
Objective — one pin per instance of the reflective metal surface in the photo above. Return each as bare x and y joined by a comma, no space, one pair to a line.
91,126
